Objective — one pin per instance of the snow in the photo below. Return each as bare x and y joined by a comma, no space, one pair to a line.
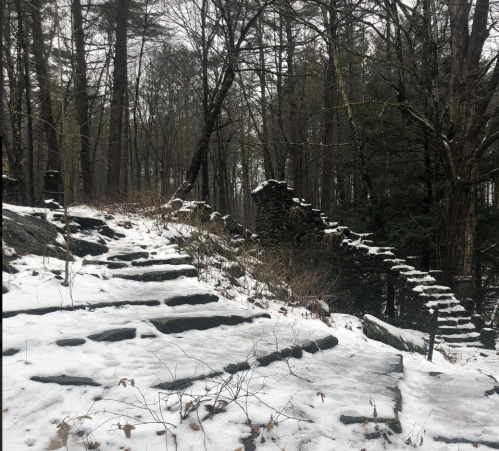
350,375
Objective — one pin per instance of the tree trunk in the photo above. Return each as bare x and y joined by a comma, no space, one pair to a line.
82,99
44,86
119,86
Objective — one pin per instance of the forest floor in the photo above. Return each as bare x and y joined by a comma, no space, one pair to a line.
164,357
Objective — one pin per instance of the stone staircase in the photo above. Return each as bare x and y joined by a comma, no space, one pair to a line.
149,311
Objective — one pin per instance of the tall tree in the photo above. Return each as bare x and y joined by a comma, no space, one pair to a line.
117,100
44,85
82,98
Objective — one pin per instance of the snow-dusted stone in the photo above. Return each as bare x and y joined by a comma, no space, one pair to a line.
393,423
172,325
83,248
493,445
110,265
30,235
71,342
192,299
9,269
233,368
378,330
4,290
175,260
88,223
65,380
320,345
159,276
10,352
114,335
182,384
295,351
110,233
129,256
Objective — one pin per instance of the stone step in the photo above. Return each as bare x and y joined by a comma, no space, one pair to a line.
173,260
453,330
453,321
460,338
435,289
453,312
170,272
109,264
178,324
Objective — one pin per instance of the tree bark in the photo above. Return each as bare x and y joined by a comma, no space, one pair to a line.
117,102
44,86
82,99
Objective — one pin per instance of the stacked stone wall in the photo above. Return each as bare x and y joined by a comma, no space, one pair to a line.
372,277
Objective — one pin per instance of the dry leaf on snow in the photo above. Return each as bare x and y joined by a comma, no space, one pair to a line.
55,444
128,428
194,426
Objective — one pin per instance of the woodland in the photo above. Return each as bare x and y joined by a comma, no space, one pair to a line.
382,113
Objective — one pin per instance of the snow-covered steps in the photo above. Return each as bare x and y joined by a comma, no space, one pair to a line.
158,274
460,338
454,321
109,264
173,260
456,330
178,324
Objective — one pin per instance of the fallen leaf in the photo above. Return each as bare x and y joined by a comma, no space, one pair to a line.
128,428
194,426
312,406
55,444
160,432
5,410
239,449
475,445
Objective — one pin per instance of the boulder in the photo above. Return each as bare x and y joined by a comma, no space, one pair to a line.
10,352
30,235
400,339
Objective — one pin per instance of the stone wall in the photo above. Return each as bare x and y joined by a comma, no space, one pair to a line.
372,277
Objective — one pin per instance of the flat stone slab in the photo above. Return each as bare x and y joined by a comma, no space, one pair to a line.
493,445
164,261
109,264
83,222
130,256
159,276
393,423
83,248
46,310
126,333
10,352
71,342
182,384
179,324
110,233
65,380
192,299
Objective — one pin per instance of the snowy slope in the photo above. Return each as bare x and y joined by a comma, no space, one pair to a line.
302,399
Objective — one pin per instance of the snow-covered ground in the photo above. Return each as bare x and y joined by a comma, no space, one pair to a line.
292,404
